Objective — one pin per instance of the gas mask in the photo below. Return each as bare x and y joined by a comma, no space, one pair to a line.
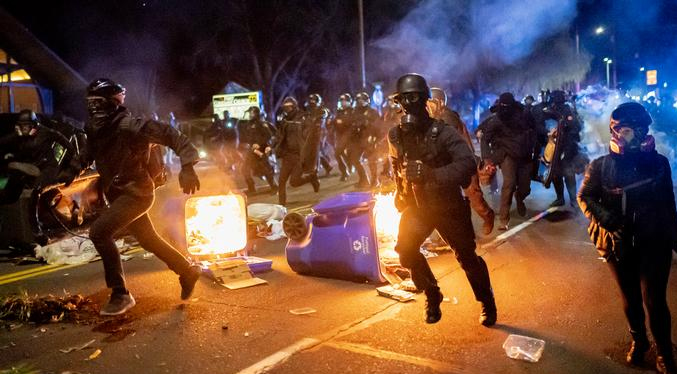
412,103
26,129
625,139
100,107
408,123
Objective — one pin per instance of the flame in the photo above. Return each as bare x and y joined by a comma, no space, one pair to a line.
387,220
216,224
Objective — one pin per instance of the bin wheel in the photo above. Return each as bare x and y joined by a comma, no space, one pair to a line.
294,226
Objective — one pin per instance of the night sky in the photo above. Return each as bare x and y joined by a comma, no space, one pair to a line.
175,54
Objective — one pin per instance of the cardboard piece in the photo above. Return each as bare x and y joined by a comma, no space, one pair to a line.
244,283
233,274
395,294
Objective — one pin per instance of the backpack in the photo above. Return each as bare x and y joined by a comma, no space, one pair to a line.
154,163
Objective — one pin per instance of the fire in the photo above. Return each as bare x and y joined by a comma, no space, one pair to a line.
387,220
216,224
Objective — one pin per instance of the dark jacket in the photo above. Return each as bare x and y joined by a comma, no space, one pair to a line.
339,127
120,146
514,137
256,132
630,195
290,135
446,155
364,124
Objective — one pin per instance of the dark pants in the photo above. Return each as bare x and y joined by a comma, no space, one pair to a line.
516,181
455,227
258,166
643,281
565,176
341,155
291,171
355,151
131,212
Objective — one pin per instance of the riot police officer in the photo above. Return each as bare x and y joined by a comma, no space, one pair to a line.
437,106
233,160
565,174
628,197
256,136
431,164
340,126
119,144
289,145
315,128
213,139
369,135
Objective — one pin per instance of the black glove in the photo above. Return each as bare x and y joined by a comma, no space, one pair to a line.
400,203
417,172
188,180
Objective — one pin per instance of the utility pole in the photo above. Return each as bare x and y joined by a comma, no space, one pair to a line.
360,10
578,58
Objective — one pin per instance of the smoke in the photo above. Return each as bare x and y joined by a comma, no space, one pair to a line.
453,39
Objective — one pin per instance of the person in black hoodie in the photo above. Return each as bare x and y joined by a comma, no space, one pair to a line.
119,144
628,197
510,134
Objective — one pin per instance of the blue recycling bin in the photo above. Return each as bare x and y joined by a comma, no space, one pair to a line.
338,240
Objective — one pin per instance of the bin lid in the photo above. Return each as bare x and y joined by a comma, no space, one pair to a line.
344,201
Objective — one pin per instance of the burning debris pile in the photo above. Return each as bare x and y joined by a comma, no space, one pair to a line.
48,309
216,225
387,221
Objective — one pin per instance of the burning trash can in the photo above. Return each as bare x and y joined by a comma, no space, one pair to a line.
216,232
349,236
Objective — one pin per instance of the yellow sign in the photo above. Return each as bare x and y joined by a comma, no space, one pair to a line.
651,77
236,104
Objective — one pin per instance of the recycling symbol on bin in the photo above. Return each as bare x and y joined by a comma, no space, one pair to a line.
357,245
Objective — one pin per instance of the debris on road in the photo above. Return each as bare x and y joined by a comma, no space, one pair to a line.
94,355
47,309
302,311
77,348
395,294
234,273
72,251
524,348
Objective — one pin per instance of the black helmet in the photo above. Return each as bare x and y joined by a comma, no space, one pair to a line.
630,114
413,83
27,117
254,112
362,99
529,98
289,104
345,101
437,93
315,100
105,87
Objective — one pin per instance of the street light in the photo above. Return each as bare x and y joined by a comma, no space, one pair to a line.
599,30
608,62
642,68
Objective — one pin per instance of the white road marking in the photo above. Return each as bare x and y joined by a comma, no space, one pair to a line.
280,356
522,226
440,366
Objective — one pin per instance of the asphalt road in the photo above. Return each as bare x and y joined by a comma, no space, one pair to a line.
547,280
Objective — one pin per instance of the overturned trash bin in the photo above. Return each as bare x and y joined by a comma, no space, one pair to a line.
338,240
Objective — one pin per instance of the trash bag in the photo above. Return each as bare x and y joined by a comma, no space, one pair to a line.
265,212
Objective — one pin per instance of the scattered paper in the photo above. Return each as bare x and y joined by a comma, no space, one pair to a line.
244,283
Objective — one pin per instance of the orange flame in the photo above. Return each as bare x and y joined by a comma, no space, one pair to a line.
387,220
216,224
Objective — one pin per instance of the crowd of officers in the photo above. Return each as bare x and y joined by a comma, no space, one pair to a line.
303,140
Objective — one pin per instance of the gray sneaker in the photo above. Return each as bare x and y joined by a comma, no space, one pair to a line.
118,304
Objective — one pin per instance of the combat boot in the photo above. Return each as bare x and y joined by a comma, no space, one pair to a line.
488,315
558,202
639,347
434,297
315,182
665,364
